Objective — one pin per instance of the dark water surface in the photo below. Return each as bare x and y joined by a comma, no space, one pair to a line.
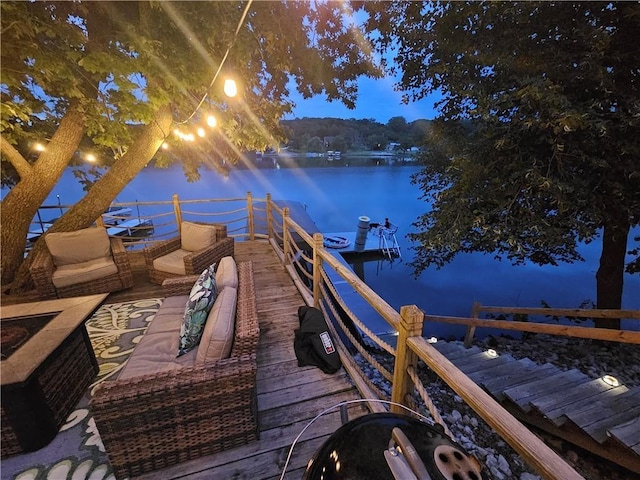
336,196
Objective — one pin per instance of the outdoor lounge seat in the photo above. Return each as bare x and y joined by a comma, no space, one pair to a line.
198,246
162,410
82,262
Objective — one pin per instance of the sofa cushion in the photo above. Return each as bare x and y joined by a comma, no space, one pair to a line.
170,316
172,262
156,353
201,299
66,275
68,248
217,338
227,273
194,236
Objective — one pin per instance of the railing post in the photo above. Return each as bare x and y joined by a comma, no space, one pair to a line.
411,319
269,217
317,266
177,211
285,235
471,329
250,212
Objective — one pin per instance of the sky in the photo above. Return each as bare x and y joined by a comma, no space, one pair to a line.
376,99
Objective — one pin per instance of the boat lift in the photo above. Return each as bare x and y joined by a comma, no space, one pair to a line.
387,241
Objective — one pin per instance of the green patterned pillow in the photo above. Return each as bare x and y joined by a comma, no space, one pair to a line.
201,298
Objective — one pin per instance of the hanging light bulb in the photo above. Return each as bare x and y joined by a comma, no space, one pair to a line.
211,121
230,87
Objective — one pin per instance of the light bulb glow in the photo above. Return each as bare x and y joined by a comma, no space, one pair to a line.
611,380
211,121
230,87
165,145
38,147
90,157
200,132
190,137
492,353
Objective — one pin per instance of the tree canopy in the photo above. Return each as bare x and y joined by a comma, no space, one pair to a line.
117,79
535,147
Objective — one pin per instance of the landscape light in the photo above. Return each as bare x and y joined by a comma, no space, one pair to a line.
211,121
611,380
492,353
230,87
432,340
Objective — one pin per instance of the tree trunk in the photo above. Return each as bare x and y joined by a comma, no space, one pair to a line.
610,276
104,191
22,202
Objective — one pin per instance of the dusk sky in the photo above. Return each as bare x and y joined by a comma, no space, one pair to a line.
376,99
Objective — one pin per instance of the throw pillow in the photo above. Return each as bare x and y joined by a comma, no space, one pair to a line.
203,295
195,236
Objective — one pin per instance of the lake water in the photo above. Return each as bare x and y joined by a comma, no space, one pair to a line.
336,196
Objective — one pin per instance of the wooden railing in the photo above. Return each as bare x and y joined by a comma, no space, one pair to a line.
314,269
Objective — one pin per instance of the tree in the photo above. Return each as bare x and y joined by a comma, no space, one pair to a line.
120,77
536,146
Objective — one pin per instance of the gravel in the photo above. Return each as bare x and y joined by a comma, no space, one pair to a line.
471,432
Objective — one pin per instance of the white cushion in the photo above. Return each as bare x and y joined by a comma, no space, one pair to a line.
217,338
227,273
68,248
172,262
66,275
194,237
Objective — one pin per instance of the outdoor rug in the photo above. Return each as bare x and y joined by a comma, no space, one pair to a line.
77,453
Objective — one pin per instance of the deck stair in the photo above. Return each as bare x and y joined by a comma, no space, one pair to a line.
569,404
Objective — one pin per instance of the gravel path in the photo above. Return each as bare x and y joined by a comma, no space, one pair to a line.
469,430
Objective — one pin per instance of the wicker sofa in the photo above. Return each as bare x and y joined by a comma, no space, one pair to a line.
170,258
152,421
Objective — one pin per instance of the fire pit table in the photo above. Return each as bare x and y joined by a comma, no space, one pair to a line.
47,365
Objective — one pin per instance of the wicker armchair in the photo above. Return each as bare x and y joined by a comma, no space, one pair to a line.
83,277
153,421
192,262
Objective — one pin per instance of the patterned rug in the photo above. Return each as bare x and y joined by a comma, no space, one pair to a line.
77,452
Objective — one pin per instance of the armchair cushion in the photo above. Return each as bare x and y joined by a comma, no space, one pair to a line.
68,248
227,273
91,270
201,299
217,337
194,236
172,262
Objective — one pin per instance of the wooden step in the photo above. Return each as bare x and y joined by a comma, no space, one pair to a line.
569,395
489,363
559,415
501,369
522,394
497,386
627,434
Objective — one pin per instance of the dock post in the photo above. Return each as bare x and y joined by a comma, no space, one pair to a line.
177,211
317,266
471,329
411,319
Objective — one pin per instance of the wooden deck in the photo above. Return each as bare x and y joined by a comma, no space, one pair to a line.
288,396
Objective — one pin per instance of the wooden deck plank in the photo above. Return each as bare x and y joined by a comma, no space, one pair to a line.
489,363
558,415
497,386
522,394
569,395
504,369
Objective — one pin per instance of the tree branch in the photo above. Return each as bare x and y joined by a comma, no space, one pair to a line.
15,158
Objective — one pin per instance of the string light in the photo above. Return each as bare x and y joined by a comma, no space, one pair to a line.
165,146
211,121
200,132
38,147
90,157
230,88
